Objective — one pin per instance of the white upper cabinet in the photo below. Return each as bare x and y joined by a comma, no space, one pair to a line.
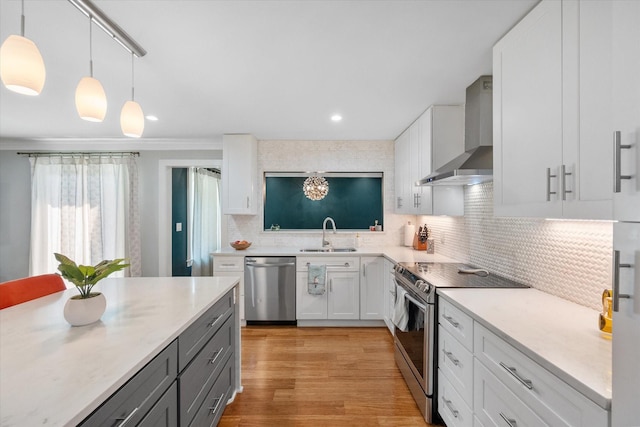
552,113
435,138
626,106
239,174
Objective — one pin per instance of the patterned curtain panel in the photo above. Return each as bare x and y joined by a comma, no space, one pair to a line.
85,207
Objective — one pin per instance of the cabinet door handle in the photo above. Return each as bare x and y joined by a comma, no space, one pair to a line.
248,202
213,359
451,320
451,357
213,322
564,174
364,270
510,421
513,371
549,192
617,152
451,408
330,285
616,280
126,419
214,409
399,202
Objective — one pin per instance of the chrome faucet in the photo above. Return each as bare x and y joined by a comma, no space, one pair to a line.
325,243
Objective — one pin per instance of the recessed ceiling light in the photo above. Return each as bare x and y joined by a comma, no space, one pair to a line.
336,118
151,117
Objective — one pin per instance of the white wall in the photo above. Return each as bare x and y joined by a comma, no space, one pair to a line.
569,259
329,156
15,215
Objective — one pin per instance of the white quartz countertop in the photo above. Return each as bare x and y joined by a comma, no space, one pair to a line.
392,253
54,374
561,336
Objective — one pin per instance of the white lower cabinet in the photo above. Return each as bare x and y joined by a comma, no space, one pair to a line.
389,296
482,373
232,266
550,398
341,301
372,284
451,405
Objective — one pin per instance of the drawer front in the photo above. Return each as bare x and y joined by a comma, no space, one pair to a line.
228,263
456,322
165,411
140,393
496,405
216,401
333,263
456,362
556,402
451,406
191,341
197,379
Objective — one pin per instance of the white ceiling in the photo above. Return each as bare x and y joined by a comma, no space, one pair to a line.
277,69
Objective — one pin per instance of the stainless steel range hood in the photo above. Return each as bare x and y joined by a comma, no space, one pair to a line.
475,165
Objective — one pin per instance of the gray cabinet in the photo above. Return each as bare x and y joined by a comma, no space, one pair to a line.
134,400
189,382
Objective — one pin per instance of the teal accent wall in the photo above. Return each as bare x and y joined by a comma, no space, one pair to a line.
354,203
179,214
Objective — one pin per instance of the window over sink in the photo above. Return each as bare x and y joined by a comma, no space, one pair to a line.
355,201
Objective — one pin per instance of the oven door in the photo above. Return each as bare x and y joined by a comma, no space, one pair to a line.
416,341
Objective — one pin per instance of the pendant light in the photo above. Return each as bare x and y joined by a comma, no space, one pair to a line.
91,101
21,65
131,116
315,187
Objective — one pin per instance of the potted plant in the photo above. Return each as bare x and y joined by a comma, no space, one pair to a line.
89,306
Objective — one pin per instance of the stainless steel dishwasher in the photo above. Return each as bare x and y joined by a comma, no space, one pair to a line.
270,290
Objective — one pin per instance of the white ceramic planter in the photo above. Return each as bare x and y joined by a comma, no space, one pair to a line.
80,312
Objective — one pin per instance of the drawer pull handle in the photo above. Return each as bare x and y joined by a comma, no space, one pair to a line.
213,322
127,418
453,410
510,421
527,383
212,360
345,265
451,320
451,357
214,409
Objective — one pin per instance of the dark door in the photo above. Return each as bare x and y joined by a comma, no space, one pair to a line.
179,222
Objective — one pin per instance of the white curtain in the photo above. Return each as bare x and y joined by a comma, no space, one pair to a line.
85,207
204,219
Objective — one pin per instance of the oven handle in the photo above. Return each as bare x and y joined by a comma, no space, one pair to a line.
416,302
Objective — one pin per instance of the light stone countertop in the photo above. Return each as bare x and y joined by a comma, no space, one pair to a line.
392,253
561,336
54,374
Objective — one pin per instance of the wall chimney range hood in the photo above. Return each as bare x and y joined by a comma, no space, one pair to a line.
475,165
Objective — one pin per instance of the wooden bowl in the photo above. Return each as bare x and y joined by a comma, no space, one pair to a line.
240,246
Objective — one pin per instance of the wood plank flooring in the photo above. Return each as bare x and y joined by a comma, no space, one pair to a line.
320,377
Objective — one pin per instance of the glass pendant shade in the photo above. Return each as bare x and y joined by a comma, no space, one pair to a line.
132,119
315,187
21,66
91,101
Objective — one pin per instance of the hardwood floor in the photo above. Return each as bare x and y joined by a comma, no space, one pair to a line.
320,377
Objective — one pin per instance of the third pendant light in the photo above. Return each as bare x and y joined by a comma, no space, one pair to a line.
91,101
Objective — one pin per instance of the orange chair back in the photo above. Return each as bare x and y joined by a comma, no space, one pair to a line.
23,290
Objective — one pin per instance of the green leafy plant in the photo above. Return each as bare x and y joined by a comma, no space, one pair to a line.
85,277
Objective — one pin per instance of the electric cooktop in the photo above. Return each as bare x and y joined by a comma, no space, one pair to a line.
454,275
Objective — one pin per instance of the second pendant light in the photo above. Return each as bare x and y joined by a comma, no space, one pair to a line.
131,115
91,100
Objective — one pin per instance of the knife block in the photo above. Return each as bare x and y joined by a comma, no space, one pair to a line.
418,245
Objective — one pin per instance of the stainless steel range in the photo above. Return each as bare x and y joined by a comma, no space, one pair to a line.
415,319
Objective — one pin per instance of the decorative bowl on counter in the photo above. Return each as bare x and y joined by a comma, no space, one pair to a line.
240,244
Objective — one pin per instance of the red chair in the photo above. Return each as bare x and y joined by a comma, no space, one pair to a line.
23,290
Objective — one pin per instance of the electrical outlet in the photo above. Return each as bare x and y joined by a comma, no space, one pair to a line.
178,226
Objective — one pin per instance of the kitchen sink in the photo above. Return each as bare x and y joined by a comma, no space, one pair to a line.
328,250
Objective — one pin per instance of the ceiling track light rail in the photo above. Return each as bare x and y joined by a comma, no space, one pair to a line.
88,8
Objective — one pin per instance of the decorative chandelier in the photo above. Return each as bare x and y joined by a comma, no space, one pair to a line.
315,187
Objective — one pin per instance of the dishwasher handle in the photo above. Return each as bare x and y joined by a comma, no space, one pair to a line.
250,263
